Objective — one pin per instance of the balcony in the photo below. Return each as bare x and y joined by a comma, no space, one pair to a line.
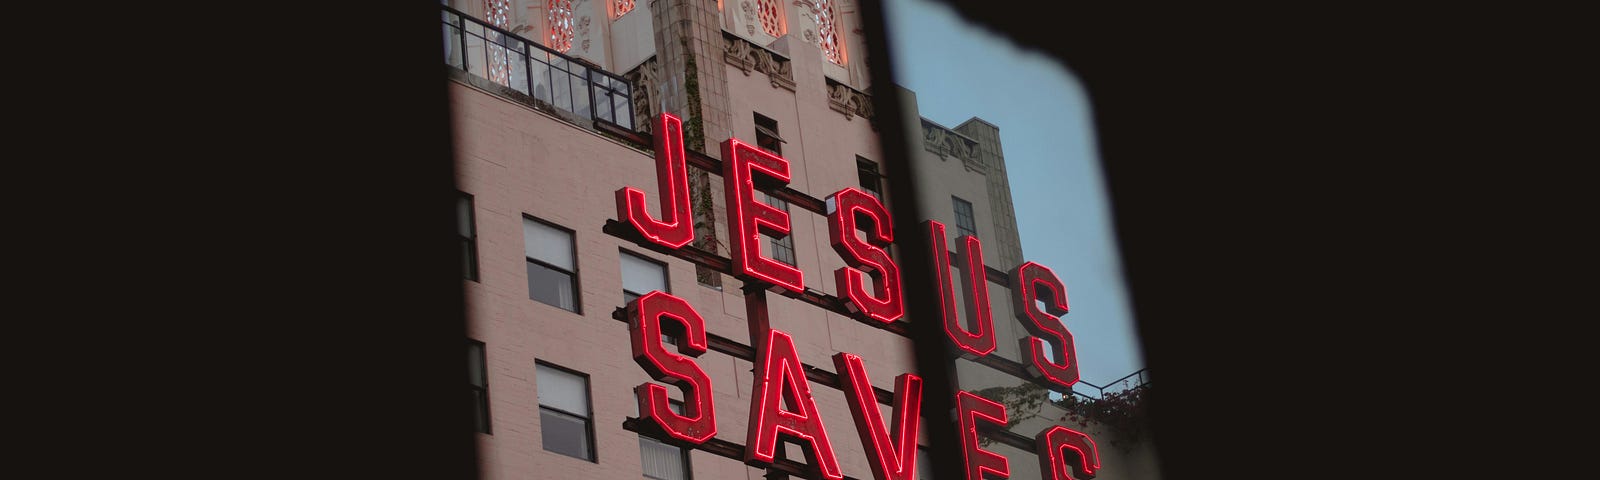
544,78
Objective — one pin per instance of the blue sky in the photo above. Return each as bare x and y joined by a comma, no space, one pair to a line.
959,71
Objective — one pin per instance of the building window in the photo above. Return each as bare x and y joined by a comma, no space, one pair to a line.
552,264
661,461
624,6
565,426
867,174
467,231
782,248
965,225
560,25
767,135
767,138
771,17
641,275
828,32
478,377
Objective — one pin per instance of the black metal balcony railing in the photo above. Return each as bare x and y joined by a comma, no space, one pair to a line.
1132,381
526,66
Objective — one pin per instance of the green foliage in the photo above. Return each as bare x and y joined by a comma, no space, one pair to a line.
694,138
1124,414
1022,403
694,130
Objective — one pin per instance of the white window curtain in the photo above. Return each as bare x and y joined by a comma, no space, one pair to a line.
565,289
660,461
640,276
564,391
547,244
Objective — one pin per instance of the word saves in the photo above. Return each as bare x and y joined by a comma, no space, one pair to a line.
782,403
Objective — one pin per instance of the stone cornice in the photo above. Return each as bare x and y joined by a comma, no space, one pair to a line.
949,143
749,57
849,101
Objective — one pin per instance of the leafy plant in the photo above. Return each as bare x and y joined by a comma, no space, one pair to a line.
1022,403
1124,414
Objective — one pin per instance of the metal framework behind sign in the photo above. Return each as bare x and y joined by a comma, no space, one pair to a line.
755,296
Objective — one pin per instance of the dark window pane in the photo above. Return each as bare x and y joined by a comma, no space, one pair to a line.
477,373
867,176
469,260
475,364
769,144
783,249
564,434
467,231
551,286
480,407
965,224
767,135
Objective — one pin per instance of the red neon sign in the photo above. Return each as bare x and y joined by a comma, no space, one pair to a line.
971,409
885,303
748,218
1026,282
976,338
782,406
892,452
676,228
781,376
1052,446
698,422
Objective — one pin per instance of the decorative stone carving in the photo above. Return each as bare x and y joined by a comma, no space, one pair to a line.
749,18
849,101
737,53
645,80
749,56
947,143
583,31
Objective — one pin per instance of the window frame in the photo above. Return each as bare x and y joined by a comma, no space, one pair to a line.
764,132
688,467
666,282
837,24
577,285
961,230
868,168
472,240
588,398
483,397
666,276
787,242
780,15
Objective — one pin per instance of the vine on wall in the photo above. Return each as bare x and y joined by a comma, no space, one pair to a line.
1123,414
694,138
1022,403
